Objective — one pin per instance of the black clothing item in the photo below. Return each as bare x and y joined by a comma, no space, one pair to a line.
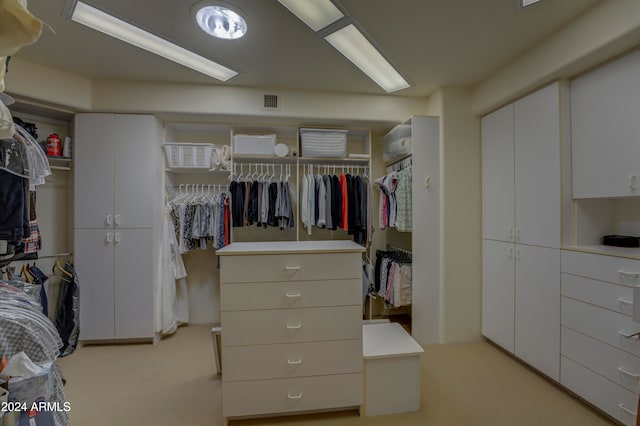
336,194
237,204
273,196
68,317
252,209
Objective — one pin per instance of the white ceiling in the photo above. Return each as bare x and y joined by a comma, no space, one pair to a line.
433,43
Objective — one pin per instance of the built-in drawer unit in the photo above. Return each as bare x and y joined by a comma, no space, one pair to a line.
291,320
611,398
599,345
247,398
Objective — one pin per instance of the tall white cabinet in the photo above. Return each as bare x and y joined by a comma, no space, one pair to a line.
117,195
521,228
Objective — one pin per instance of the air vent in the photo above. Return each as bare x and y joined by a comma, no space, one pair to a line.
271,101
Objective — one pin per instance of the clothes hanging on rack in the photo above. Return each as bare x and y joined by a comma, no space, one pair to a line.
393,277
199,218
68,309
22,164
336,202
23,328
263,200
395,204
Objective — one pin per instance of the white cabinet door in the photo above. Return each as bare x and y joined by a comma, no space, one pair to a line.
133,283
537,313
93,259
605,130
135,140
498,275
498,175
93,169
537,168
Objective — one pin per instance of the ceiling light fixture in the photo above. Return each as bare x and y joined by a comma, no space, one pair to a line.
221,22
317,14
525,3
354,46
117,28
339,30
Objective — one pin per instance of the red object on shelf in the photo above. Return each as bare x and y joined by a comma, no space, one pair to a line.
54,145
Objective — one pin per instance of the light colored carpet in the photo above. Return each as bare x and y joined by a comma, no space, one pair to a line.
174,383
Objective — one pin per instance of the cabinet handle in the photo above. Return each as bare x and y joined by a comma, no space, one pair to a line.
517,234
626,302
621,405
510,253
294,326
629,274
299,395
293,295
517,254
632,182
626,373
109,219
117,239
109,237
292,268
117,219
299,361
510,234
628,335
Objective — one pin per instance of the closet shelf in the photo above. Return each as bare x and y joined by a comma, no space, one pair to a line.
397,160
243,158
196,171
329,160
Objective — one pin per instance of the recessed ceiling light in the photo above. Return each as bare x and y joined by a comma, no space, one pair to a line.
221,22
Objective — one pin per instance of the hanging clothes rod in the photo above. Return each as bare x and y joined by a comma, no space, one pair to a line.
394,248
52,256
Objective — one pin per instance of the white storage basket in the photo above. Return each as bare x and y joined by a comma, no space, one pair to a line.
323,143
397,143
189,155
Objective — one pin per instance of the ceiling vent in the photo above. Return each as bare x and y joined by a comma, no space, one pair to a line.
270,102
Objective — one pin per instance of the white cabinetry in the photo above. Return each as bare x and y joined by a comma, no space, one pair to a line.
605,130
116,195
521,228
600,357
292,327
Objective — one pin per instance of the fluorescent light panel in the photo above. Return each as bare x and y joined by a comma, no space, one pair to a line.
354,46
317,14
110,25
525,3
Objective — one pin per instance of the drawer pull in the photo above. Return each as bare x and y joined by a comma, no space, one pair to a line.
293,295
628,335
629,274
292,268
626,302
294,326
299,395
626,410
626,373
299,361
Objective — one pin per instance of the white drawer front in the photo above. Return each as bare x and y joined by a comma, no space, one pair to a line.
291,395
291,360
290,294
602,393
291,325
612,269
601,324
610,296
614,364
290,267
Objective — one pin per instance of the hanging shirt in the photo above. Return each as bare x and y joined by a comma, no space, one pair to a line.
403,195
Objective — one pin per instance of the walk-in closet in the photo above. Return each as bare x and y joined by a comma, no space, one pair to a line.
324,211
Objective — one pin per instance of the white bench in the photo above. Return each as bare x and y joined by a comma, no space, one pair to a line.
392,369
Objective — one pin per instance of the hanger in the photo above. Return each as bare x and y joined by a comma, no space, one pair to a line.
26,274
57,265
